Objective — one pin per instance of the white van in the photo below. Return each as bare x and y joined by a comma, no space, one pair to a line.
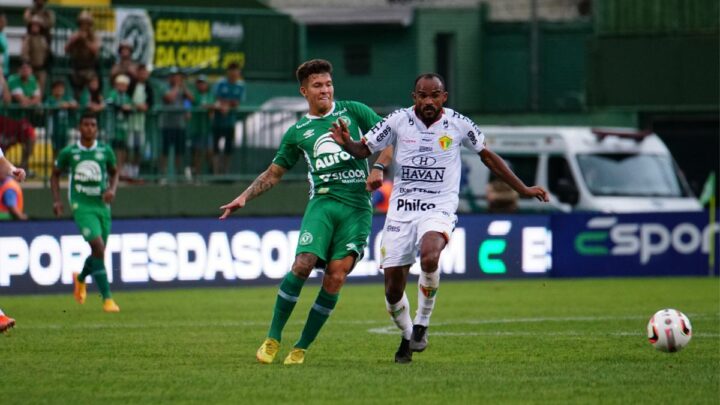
614,170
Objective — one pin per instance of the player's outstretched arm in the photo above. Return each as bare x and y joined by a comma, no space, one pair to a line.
501,170
10,169
264,182
55,188
376,176
341,136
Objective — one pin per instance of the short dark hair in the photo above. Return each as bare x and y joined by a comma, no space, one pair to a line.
58,82
312,67
233,66
430,76
87,115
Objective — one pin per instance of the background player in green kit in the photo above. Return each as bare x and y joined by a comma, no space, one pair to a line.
337,219
93,180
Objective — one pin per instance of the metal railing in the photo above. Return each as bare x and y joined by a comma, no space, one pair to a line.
160,145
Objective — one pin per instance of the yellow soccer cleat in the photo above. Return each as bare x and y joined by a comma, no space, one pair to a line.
296,356
110,306
80,292
267,351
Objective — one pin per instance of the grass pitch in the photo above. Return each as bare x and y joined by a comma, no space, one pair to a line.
559,341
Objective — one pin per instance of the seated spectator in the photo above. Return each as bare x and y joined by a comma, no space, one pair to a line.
36,49
83,48
172,120
91,97
60,105
142,96
125,65
5,97
24,87
120,105
200,130
229,93
11,198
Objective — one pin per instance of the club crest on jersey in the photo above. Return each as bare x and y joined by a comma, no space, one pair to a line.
306,238
346,120
445,142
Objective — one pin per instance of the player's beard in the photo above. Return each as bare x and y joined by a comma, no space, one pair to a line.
430,113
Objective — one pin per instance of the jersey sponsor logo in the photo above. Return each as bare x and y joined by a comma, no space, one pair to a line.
308,133
424,161
425,149
88,170
306,238
328,153
413,205
403,190
392,228
343,111
446,124
304,124
445,142
88,190
424,174
471,136
383,134
345,176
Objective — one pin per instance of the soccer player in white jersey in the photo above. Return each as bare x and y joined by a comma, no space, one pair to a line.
427,139
8,169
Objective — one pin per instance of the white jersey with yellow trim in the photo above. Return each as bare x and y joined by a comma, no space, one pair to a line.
426,161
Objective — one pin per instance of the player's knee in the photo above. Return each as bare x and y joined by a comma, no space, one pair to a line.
393,293
429,261
333,282
303,265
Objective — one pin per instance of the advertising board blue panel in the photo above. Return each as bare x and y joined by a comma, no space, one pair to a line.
41,256
633,245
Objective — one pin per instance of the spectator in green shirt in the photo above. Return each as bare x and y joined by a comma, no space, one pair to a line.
120,105
61,107
200,125
24,87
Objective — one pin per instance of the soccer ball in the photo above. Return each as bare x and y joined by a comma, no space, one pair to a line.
669,330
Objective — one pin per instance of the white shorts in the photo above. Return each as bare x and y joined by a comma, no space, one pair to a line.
401,240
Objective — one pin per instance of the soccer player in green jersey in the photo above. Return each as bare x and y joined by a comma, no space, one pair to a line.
336,224
93,179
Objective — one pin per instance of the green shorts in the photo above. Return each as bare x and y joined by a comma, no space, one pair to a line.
93,223
332,230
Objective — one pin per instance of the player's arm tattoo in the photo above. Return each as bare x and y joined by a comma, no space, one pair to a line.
265,181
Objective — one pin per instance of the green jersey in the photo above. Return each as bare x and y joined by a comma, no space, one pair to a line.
88,173
332,172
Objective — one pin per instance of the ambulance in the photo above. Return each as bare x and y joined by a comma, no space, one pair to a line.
611,170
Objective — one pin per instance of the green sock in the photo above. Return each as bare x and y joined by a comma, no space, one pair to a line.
86,270
319,313
99,275
287,298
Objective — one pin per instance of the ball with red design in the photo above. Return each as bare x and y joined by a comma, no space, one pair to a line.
669,330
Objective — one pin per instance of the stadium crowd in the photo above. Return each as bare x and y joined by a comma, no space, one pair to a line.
146,116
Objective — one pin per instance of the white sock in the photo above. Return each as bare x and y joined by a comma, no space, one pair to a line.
400,314
428,284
